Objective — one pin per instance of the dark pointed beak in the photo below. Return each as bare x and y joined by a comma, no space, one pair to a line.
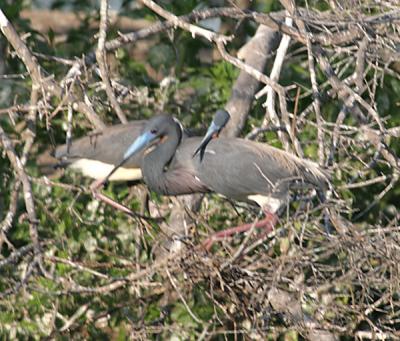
211,132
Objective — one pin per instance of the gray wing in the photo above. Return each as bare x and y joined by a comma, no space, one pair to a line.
238,168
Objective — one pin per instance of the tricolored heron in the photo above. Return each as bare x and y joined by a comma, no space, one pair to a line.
97,154
238,169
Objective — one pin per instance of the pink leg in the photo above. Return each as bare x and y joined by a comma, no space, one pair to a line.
97,184
267,224
96,187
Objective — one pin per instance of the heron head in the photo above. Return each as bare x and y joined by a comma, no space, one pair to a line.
156,131
219,121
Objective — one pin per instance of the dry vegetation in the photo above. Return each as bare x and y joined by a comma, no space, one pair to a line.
72,267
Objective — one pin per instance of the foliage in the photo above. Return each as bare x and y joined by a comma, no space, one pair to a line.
102,274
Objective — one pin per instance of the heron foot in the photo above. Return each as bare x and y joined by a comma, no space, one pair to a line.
267,224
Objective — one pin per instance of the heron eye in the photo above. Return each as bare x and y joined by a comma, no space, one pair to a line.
153,131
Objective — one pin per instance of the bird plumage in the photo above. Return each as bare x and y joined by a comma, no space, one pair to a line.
236,168
106,146
96,154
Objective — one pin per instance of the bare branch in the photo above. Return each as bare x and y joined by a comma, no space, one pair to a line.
193,29
37,75
26,185
101,59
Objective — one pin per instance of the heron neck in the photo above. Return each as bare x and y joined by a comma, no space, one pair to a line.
155,163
